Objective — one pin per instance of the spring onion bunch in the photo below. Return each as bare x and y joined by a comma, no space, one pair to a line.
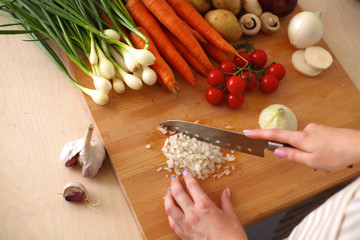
77,27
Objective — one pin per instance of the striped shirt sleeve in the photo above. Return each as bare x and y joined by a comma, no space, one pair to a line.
337,218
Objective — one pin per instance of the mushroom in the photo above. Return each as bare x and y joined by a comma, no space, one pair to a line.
252,6
269,22
250,24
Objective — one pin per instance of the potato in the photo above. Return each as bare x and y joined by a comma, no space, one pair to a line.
202,6
233,6
225,23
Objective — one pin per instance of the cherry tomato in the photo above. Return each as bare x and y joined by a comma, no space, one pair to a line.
277,70
236,85
227,66
250,79
235,101
224,87
215,78
258,57
239,61
269,83
214,96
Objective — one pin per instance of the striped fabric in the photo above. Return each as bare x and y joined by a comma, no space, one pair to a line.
296,214
338,218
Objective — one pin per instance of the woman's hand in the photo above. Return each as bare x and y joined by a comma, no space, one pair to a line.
317,146
195,215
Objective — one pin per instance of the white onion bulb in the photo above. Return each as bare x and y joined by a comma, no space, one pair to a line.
148,75
118,85
278,116
305,29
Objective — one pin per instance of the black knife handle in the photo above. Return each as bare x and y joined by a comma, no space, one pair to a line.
274,145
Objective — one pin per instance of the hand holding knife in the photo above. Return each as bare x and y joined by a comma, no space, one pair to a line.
224,138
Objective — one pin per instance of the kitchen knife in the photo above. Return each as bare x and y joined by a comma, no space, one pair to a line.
222,138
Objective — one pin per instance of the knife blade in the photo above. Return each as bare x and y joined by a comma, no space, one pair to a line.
222,138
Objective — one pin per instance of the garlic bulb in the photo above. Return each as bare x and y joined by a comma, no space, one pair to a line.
84,152
278,116
92,155
305,29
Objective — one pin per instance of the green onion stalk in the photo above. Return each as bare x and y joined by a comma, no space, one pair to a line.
77,28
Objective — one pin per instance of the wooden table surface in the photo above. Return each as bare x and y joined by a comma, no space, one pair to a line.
41,111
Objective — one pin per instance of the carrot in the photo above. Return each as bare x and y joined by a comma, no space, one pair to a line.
214,52
191,59
188,13
145,19
196,34
166,15
163,70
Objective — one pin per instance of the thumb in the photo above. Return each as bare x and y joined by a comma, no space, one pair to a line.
226,204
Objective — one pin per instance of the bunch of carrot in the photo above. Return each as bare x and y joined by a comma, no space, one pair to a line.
180,36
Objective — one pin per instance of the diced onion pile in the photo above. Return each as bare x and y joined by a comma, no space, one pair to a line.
200,158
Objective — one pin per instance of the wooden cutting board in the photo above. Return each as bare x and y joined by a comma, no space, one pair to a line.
260,187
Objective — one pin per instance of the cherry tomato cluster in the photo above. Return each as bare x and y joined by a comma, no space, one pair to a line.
232,78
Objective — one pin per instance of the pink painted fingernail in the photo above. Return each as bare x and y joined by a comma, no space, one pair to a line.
247,131
228,192
185,173
280,153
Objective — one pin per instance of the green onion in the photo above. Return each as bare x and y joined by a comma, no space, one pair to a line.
77,28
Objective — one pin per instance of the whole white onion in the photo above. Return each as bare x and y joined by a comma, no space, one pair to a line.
278,116
305,29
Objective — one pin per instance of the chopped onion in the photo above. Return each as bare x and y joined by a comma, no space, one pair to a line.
162,130
198,157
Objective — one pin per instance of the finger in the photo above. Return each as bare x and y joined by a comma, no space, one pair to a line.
180,195
172,209
175,227
276,135
194,188
295,155
226,204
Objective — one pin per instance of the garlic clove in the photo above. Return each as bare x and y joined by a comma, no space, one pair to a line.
75,192
92,161
69,154
91,155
